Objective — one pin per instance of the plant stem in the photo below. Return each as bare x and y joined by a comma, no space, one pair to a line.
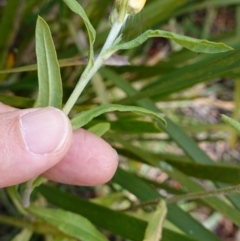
83,81
113,34
89,72
15,197
190,196
27,193
204,194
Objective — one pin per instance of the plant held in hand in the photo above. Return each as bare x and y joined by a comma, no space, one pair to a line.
50,94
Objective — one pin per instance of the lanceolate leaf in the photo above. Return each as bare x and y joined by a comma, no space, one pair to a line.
196,45
69,223
231,122
84,117
77,8
154,229
49,77
133,228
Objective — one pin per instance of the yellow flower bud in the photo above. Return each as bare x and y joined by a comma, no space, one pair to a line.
134,6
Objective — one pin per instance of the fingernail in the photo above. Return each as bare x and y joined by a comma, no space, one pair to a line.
44,130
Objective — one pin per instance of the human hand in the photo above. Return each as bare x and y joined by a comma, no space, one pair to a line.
40,141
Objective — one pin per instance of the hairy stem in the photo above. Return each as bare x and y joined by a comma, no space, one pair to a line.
27,194
89,72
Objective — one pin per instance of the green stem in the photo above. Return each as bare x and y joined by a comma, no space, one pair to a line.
15,197
113,34
89,72
191,196
27,193
204,194
83,81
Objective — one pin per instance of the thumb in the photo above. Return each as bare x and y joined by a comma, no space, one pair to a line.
31,142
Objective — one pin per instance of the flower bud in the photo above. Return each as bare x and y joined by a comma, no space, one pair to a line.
134,6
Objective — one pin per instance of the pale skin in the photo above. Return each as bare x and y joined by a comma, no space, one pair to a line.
40,141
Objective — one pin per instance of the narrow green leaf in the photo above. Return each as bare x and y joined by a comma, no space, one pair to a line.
134,127
132,229
214,202
69,223
110,199
182,78
130,126
77,8
84,117
175,132
186,182
25,235
218,172
231,122
196,45
49,77
154,229
100,129
175,215
16,101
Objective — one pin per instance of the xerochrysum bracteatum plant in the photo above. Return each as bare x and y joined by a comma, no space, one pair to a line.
123,9
49,73
119,16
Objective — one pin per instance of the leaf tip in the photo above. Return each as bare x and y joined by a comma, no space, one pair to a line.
39,18
223,117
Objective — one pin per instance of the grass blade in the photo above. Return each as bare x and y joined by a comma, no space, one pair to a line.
132,229
185,77
175,132
146,192
224,173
